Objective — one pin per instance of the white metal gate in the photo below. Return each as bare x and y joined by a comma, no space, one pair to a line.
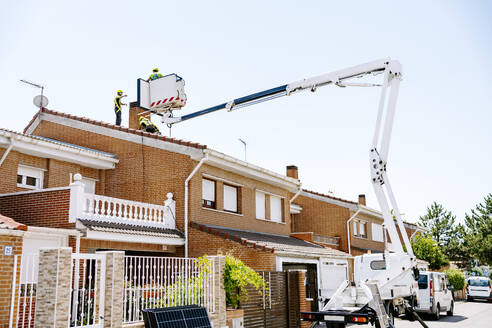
23,302
87,290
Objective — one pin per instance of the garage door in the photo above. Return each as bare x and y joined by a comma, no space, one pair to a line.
333,273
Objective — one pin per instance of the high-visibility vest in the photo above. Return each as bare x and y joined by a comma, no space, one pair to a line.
155,76
144,123
117,103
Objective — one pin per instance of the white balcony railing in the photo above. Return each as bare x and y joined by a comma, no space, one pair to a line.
110,209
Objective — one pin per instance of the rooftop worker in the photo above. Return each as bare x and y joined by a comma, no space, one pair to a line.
117,106
155,75
147,125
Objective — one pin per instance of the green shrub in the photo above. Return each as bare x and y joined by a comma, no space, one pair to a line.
456,278
237,277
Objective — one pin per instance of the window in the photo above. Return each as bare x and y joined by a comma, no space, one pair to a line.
208,193
275,208
362,230
230,198
29,177
354,228
378,265
377,232
260,205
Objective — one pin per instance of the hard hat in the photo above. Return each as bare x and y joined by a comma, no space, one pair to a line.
155,70
141,118
119,91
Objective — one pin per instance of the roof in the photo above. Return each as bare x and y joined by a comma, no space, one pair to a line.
114,127
8,223
4,132
105,226
272,243
331,197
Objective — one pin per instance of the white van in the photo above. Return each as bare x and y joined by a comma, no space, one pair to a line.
478,288
434,296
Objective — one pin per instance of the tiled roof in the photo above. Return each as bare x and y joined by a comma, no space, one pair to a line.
115,127
328,196
58,142
8,223
269,242
131,229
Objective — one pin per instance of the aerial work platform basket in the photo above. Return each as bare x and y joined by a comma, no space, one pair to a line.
161,95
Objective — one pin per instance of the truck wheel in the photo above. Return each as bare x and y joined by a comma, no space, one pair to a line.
451,308
437,315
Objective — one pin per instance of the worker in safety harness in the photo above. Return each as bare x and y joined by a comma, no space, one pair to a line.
117,106
147,125
155,75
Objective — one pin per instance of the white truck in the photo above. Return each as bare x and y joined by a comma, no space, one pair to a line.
386,283
434,295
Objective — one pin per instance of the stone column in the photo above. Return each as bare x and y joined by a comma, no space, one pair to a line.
53,290
218,318
114,288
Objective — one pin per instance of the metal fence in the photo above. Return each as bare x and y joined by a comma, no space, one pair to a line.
23,302
154,282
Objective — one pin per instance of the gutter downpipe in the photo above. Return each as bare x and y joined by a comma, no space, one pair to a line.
297,194
7,151
203,160
348,229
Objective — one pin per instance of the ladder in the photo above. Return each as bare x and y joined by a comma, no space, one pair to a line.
377,305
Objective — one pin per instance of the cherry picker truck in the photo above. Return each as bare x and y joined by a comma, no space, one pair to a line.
384,284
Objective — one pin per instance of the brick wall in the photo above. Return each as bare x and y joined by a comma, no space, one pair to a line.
201,243
247,218
56,174
42,208
6,273
322,218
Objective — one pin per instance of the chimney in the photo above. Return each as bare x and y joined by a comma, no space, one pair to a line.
133,115
292,171
362,199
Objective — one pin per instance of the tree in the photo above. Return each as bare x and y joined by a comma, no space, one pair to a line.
427,249
456,249
440,224
478,238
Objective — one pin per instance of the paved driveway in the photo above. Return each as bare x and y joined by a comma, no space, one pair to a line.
476,314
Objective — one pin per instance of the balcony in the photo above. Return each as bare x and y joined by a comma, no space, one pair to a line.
93,207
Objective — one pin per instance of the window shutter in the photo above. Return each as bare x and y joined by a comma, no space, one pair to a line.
230,198
377,232
275,209
208,190
354,228
362,227
260,205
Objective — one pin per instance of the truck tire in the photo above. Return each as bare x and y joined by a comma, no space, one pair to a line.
451,309
437,315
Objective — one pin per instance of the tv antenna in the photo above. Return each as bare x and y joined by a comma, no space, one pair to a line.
39,101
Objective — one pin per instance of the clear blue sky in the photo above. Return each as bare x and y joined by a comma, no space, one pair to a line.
83,51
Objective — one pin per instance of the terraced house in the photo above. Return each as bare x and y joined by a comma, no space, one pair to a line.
94,186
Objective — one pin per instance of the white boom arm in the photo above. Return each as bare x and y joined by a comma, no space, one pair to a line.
378,154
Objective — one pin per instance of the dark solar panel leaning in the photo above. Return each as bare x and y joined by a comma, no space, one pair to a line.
190,316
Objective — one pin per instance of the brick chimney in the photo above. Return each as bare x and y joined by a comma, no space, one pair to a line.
133,115
292,171
362,199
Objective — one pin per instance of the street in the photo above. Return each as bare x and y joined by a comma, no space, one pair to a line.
476,314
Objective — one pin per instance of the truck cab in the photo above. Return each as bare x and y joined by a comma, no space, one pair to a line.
434,296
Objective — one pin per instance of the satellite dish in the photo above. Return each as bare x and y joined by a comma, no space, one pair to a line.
40,101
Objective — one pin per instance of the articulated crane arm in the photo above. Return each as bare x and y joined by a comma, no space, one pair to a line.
379,150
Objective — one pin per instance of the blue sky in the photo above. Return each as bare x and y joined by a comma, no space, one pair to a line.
441,147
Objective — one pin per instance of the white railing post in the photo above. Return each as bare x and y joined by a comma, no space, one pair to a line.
76,198
169,211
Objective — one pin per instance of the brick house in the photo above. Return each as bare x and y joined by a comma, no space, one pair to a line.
348,226
111,187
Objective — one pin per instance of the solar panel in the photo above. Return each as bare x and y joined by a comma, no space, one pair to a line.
190,316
